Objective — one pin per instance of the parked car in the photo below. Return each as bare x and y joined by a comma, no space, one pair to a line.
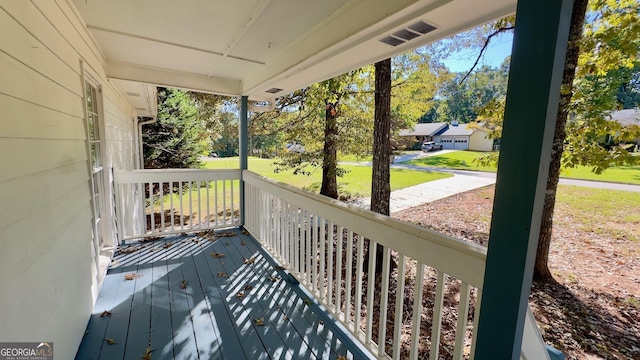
431,146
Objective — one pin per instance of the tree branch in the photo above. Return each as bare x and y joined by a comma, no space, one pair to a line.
484,47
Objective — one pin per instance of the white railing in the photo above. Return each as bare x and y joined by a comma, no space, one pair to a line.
313,236
160,202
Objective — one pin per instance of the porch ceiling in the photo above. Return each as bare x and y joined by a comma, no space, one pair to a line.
246,47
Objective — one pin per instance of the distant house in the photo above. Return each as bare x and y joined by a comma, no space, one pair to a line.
452,136
425,132
627,117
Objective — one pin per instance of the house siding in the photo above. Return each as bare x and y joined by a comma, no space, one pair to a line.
48,272
479,141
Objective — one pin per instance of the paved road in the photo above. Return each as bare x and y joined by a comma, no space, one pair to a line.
462,180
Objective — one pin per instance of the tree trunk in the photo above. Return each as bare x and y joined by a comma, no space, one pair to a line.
330,158
541,269
380,187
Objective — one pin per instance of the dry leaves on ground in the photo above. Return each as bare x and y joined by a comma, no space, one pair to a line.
593,312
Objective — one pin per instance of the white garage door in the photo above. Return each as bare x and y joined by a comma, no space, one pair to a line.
447,143
461,143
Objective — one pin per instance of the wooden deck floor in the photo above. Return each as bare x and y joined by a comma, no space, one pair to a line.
183,302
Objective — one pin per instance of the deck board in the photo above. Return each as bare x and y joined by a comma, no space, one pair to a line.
184,306
161,330
118,321
320,337
229,343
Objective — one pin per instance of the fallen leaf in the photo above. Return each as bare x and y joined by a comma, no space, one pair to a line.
259,322
227,243
243,243
280,267
240,295
105,313
183,284
222,274
132,276
128,250
250,260
245,232
306,301
248,287
167,245
147,354
217,255
110,341
341,357
273,278
226,234
196,241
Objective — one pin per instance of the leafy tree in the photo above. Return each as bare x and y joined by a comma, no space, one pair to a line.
541,268
465,95
178,136
338,114
225,141
601,55
325,118
628,95
610,43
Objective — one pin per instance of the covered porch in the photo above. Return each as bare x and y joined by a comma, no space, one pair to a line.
210,295
80,79
292,282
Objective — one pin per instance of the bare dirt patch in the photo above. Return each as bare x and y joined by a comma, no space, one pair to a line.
593,312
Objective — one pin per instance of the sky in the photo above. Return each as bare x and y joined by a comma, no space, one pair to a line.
498,49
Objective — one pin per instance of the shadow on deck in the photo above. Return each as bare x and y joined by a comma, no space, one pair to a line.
207,296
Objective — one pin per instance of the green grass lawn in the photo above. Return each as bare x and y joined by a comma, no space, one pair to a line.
357,182
620,211
353,158
465,160
462,160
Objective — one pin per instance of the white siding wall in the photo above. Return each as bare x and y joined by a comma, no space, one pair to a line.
480,142
48,274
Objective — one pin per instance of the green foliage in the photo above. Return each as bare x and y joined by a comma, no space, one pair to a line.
607,62
225,142
607,79
628,95
302,115
611,37
178,136
476,98
299,116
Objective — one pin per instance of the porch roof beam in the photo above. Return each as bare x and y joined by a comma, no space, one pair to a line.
173,78
537,63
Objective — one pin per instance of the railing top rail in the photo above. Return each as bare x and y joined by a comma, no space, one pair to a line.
458,258
166,175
